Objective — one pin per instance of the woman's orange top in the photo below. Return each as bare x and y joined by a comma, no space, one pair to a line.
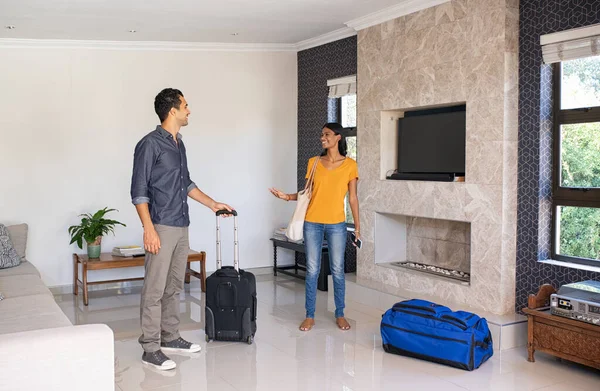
329,191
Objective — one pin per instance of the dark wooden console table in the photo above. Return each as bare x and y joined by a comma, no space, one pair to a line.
299,247
565,338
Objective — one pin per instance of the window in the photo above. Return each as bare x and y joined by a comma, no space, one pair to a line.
348,111
347,118
342,109
576,161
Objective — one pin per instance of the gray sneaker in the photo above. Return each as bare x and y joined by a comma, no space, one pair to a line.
180,345
158,360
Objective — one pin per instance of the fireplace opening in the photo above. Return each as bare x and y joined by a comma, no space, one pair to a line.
432,246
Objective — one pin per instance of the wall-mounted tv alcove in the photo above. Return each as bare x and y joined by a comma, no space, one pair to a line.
425,144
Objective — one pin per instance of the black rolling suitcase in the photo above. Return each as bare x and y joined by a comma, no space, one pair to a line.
230,297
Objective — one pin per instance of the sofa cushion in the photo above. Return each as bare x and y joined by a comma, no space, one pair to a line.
23,285
8,254
33,312
23,268
18,236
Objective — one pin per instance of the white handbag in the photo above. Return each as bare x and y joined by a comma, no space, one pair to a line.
295,229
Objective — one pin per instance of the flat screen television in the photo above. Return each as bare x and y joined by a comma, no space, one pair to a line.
431,144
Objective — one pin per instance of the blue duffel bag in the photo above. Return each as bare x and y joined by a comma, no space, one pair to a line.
425,330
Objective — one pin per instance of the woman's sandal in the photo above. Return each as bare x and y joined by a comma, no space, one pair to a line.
307,324
342,323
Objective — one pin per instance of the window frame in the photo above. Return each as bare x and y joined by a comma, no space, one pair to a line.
568,196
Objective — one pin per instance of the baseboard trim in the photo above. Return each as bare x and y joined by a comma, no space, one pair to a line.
66,289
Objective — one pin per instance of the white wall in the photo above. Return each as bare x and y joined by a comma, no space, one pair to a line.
70,118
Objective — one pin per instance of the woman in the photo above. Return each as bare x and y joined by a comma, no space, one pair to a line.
335,176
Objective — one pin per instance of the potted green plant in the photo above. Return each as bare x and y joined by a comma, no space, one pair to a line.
91,229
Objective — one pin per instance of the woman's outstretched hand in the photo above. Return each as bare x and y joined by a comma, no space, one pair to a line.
279,194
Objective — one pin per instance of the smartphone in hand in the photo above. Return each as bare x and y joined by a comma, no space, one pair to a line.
356,241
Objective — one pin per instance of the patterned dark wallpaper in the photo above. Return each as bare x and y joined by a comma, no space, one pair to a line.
315,67
538,17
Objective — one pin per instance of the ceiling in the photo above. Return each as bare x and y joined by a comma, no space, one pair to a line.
254,21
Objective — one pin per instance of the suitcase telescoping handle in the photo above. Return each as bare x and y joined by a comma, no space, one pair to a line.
236,254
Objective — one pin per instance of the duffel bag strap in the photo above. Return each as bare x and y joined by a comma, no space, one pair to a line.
486,342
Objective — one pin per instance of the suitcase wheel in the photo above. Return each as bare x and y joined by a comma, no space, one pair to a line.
249,340
207,338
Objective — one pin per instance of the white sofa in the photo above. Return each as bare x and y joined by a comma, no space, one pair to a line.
40,348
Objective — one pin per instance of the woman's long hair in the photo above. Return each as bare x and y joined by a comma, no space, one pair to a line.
337,129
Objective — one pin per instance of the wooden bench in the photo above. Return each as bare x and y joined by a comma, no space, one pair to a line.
299,248
565,338
108,261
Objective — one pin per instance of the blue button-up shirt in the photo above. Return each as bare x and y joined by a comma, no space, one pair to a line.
161,178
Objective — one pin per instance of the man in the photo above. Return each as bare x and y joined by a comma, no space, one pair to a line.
159,189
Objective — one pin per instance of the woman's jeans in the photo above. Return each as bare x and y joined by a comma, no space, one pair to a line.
336,235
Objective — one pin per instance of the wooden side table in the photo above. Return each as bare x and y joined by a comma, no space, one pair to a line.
566,338
108,261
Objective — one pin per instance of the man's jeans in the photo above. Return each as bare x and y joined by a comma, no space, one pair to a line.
336,235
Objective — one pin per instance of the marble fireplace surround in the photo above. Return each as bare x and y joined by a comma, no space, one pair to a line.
463,51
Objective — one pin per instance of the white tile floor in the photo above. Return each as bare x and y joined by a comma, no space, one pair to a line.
284,358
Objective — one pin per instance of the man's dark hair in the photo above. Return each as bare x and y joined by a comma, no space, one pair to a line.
165,101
